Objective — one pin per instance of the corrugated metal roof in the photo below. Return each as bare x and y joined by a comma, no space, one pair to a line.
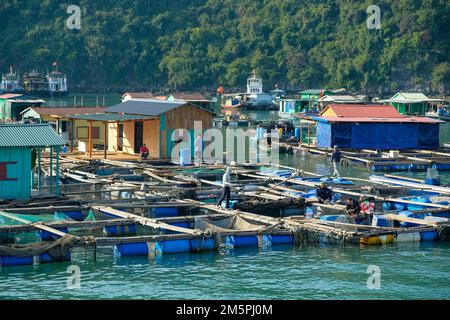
138,95
364,111
28,135
147,107
110,117
418,96
190,97
55,111
384,120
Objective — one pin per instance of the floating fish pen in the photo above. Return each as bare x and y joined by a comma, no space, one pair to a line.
152,209
377,161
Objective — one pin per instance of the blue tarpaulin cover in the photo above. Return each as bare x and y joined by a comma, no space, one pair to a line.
378,135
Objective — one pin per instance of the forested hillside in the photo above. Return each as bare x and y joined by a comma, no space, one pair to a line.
200,44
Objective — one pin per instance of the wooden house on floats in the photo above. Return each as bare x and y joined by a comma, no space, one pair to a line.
21,146
13,104
410,103
133,123
66,128
352,126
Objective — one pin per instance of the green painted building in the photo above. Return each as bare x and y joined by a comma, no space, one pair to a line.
410,103
309,97
291,106
21,146
12,105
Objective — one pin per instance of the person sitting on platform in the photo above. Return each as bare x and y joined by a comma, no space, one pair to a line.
144,152
323,193
353,208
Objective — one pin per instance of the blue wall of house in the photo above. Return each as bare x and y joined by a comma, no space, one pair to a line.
20,187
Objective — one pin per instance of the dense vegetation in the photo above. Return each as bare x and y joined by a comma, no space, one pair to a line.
200,44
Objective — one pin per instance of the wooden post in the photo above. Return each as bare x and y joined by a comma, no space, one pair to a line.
57,169
51,170
71,134
106,140
90,139
39,169
118,136
309,138
301,133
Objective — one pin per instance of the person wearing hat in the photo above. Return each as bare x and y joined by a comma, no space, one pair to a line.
226,191
335,159
323,193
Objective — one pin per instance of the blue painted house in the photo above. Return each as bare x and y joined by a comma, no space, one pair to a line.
21,146
374,127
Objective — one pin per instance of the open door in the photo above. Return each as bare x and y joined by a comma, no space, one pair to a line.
138,135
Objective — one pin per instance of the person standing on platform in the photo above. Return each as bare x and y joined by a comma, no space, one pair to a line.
335,160
226,191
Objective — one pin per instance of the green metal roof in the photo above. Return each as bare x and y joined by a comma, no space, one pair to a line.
110,117
28,135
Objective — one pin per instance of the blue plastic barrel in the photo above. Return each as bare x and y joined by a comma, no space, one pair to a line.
281,239
165,212
46,235
8,261
126,230
75,215
202,244
173,246
428,236
297,133
381,221
46,258
131,249
242,241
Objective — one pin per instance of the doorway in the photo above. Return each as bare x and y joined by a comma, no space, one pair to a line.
138,136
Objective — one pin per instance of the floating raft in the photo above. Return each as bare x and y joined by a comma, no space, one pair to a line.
161,209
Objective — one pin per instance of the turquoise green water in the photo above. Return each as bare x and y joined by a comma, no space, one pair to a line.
407,271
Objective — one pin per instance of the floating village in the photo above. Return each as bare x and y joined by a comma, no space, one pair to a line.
83,177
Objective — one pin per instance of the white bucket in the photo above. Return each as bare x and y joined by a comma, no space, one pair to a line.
408,237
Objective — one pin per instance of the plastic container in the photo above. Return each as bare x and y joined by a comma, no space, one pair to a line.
8,261
281,239
408,237
46,258
173,246
381,221
165,212
131,249
297,133
374,240
185,157
386,239
241,241
409,214
126,230
429,236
